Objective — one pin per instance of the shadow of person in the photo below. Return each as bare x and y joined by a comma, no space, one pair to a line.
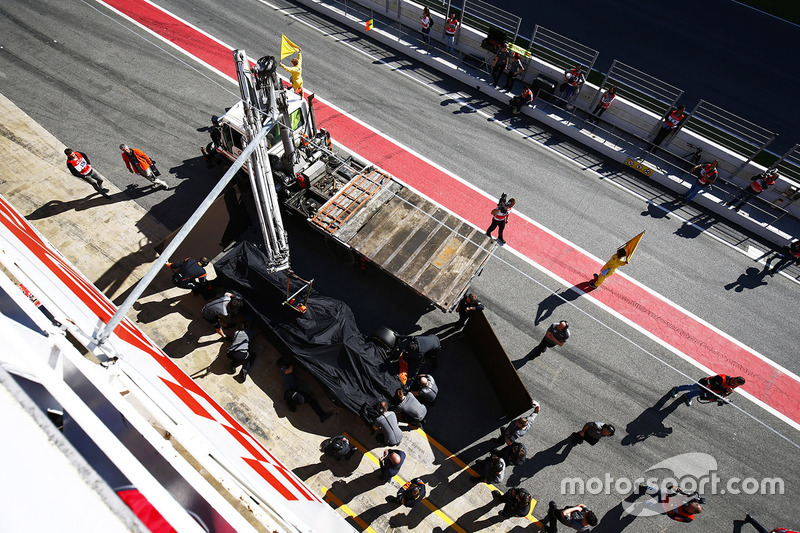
412,518
650,423
341,468
345,491
442,493
695,226
373,513
555,454
661,210
469,520
221,365
190,341
151,311
614,521
552,302
751,278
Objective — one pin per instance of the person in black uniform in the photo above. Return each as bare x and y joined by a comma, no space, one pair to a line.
469,304
517,502
556,335
191,274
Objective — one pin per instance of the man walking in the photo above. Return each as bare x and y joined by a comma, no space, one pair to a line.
556,335
500,219
790,254
80,167
592,432
390,464
138,162
578,517
720,385
518,428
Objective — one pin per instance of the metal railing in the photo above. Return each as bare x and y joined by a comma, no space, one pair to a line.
561,51
729,130
640,88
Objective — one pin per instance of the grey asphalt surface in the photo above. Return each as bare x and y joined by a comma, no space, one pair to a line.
720,51
94,80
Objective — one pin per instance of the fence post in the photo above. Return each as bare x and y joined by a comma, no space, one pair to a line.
602,85
761,149
784,156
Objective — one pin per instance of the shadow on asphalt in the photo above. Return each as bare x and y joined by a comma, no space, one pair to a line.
650,423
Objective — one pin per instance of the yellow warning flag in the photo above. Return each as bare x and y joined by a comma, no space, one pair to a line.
369,24
631,245
287,47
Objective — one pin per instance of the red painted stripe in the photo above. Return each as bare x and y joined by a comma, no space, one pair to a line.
646,309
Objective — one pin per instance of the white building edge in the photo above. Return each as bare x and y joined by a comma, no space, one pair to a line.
124,421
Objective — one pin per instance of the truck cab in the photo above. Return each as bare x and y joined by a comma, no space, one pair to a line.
233,139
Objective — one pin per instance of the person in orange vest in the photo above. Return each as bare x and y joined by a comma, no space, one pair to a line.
706,175
518,102
450,29
296,70
671,122
677,504
500,218
80,167
758,184
605,101
720,385
140,163
573,81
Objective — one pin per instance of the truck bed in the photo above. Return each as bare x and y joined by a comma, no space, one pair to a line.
403,233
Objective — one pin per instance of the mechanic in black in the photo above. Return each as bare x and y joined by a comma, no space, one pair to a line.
191,274
517,502
468,305
556,335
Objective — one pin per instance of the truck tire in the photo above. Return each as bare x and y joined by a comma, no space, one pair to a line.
385,337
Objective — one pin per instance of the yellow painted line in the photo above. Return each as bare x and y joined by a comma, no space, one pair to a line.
349,512
447,452
435,510
464,466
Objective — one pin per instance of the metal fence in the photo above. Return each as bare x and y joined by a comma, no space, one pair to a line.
640,88
484,16
729,130
561,51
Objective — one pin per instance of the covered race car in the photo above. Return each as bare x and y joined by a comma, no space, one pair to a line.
324,338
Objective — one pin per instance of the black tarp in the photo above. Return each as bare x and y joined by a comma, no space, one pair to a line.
325,340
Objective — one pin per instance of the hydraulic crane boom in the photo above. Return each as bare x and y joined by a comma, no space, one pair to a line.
262,106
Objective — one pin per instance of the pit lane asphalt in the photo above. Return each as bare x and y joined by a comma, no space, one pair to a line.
94,93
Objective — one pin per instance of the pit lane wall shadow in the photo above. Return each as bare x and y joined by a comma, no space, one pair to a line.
498,368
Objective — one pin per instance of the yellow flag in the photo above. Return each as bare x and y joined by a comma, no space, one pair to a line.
369,24
631,245
287,47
